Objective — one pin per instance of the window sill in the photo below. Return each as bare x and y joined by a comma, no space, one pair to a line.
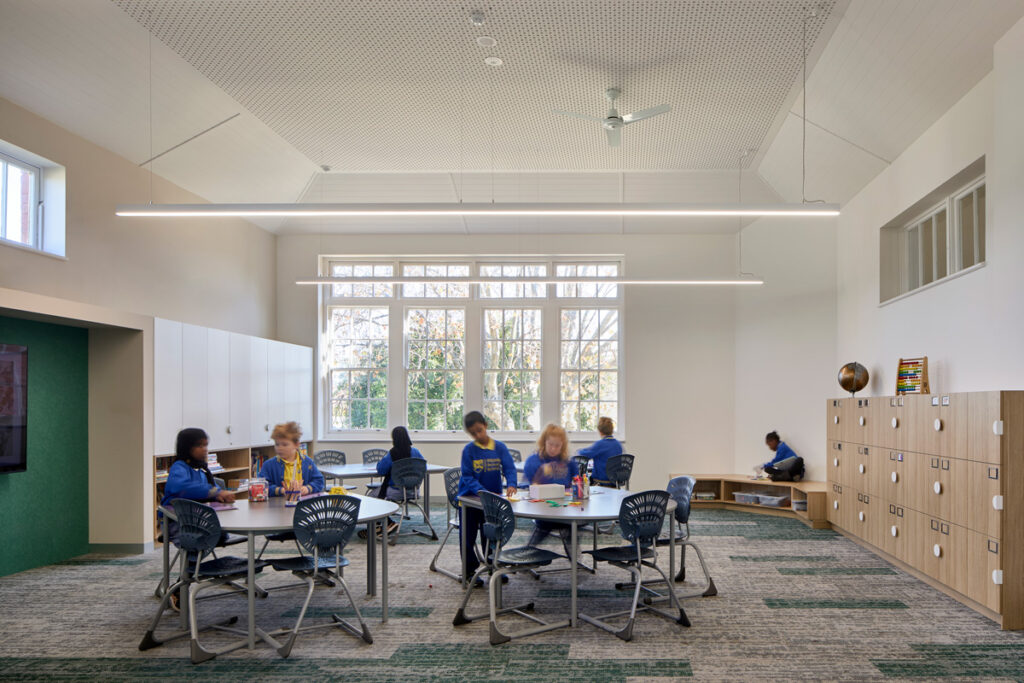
922,288
32,250
576,439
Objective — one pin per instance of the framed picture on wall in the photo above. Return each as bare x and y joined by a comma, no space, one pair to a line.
13,408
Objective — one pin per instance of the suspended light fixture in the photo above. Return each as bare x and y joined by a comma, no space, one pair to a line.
467,209
519,280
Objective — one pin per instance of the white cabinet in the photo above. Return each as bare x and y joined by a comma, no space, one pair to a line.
234,386
259,413
167,384
239,389
194,378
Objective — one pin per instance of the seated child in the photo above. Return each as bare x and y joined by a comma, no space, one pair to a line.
600,451
289,471
189,477
551,465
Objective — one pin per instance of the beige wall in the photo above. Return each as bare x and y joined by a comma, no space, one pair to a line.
219,274
678,341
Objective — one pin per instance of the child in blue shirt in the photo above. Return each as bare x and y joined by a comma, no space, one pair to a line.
484,461
551,465
189,477
781,450
289,472
401,448
600,451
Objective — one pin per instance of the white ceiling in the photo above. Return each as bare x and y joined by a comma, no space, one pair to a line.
394,96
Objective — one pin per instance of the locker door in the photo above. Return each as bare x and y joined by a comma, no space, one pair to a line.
836,461
890,476
887,423
955,480
931,546
915,538
942,421
983,426
847,415
863,522
983,503
984,562
928,488
862,469
899,410
893,533
832,426
836,506
952,559
862,423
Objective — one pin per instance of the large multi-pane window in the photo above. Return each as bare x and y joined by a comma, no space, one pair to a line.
589,379
501,335
436,362
19,193
358,367
512,368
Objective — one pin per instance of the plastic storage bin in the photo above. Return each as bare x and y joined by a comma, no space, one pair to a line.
772,501
748,498
800,505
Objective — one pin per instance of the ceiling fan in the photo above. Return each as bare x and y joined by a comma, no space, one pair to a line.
613,123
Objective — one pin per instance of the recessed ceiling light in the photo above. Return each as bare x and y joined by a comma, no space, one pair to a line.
486,41
476,17
493,61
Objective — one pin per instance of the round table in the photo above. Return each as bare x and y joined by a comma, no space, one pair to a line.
273,516
602,506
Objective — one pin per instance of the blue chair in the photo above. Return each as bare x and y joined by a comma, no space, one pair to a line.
372,456
640,519
451,489
323,527
199,533
407,476
582,464
331,457
516,455
498,561
619,469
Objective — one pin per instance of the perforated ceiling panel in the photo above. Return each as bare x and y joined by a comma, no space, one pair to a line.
375,85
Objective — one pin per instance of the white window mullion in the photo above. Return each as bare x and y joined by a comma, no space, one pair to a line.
3,200
474,357
550,367
396,364
977,231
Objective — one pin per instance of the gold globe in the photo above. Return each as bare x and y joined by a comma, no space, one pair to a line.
853,377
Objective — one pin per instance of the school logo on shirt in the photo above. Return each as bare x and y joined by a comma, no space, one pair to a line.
478,465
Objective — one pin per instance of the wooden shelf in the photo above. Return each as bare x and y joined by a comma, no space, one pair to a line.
723,485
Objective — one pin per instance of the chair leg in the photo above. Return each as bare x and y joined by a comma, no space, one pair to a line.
149,639
626,632
460,616
426,520
493,604
364,630
286,647
166,578
433,563
681,576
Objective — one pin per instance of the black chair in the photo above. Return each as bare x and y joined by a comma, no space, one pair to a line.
516,455
497,561
451,489
407,476
619,469
640,518
323,527
372,456
582,464
199,532
331,457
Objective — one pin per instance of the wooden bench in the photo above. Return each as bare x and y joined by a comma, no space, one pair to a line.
723,486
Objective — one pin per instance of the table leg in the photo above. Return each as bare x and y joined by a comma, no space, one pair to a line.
426,494
573,560
672,557
251,588
371,559
462,543
384,571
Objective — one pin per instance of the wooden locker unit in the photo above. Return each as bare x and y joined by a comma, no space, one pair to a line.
946,472
833,427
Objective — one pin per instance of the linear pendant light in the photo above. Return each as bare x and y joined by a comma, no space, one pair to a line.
478,209
523,280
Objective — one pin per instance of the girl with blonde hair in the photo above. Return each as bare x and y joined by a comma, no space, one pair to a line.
550,464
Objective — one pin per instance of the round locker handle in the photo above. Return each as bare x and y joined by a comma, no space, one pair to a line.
895,422
861,420
937,487
835,504
938,425
861,468
860,516
894,531
895,477
997,502
835,461
997,577
835,419
937,550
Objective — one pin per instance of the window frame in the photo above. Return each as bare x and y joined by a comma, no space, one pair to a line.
398,305
35,229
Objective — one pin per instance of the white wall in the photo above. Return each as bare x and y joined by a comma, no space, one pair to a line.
785,340
219,274
678,342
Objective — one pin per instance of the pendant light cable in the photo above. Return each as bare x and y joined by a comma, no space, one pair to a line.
803,135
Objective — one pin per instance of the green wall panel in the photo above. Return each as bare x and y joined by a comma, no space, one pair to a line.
44,511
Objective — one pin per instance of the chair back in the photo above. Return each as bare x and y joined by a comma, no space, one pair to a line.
516,455
619,469
681,489
582,463
324,525
198,527
329,457
642,515
499,522
372,455
408,473
451,485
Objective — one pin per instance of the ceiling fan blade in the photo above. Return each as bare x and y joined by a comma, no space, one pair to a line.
646,113
578,116
614,136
